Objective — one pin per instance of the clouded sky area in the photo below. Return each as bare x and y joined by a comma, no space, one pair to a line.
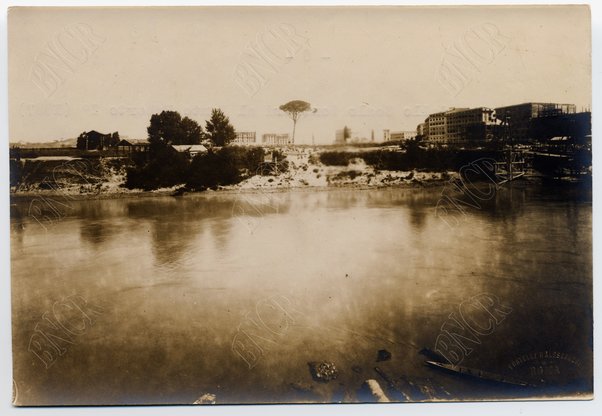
74,70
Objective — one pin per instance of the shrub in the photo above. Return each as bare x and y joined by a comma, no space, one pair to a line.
166,168
213,169
336,158
347,174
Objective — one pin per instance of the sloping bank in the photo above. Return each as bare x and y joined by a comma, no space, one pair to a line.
107,177
99,179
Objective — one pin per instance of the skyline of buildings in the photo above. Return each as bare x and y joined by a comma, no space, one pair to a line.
453,126
523,122
275,139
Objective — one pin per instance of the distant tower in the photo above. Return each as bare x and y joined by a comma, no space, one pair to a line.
386,135
372,136
313,140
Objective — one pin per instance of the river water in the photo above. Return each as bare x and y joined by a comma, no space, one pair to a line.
160,300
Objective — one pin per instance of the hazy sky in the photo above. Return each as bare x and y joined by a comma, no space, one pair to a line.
74,70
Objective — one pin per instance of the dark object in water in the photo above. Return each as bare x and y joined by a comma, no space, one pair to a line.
383,355
422,389
180,191
434,356
207,398
323,372
392,385
480,374
371,392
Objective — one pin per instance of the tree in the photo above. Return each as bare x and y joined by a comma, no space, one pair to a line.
219,129
213,169
166,168
192,132
82,142
295,109
170,128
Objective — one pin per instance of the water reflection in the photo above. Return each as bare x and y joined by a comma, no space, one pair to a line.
365,270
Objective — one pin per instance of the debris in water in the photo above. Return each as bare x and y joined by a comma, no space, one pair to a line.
206,398
324,371
432,355
372,391
383,355
393,384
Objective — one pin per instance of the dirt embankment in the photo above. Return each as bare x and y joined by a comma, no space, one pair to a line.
304,171
105,177
68,176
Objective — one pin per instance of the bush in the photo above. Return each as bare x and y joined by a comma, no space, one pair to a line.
336,158
166,168
224,167
214,169
16,172
249,158
347,174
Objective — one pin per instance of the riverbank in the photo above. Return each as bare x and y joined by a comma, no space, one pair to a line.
108,183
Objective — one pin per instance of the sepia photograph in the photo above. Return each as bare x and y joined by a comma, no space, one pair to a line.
293,205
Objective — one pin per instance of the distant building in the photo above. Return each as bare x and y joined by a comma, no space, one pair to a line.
93,140
342,135
274,139
126,147
457,125
244,138
191,149
460,122
436,124
386,135
401,135
577,126
339,137
519,117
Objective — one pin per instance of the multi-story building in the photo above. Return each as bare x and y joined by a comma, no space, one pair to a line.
519,117
437,129
274,139
401,135
456,125
461,121
386,135
244,137
523,123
